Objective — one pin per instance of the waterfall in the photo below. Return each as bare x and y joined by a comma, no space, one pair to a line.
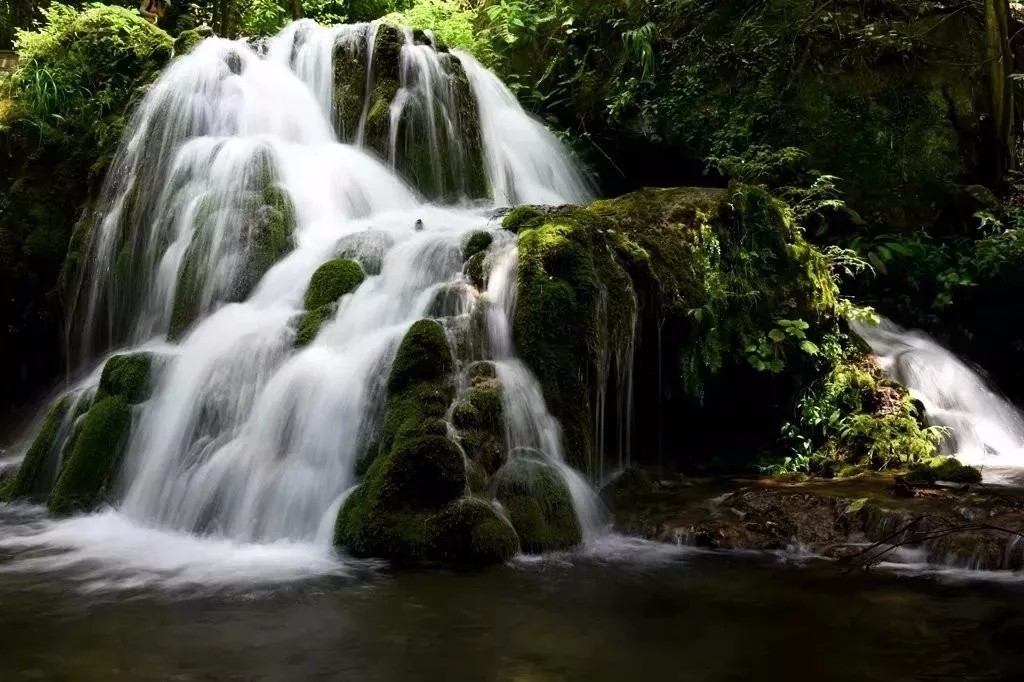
984,428
529,426
246,438
525,163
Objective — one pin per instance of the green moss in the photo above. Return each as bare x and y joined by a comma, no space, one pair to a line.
92,464
127,376
469,532
716,270
478,242
942,469
417,471
523,217
854,416
332,280
475,270
187,40
423,357
38,469
311,322
479,420
539,505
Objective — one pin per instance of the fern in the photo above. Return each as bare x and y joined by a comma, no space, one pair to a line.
639,44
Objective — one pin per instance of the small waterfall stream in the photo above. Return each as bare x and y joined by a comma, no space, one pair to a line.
246,439
984,428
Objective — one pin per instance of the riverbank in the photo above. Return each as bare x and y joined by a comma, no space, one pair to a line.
862,521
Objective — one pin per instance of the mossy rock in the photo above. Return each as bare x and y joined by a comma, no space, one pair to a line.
479,419
187,40
477,242
708,271
523,217
469,532
311,322
417,471
127,376
947,469
332,280
91,466
39,468
876,423
630,485
448,167
539,505
369,248
475,270
424,356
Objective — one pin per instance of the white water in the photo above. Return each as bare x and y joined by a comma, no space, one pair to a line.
985,429
525,163
246,442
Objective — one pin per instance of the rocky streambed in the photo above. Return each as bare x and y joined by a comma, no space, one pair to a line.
861,521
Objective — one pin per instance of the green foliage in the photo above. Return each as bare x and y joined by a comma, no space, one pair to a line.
263,18
453,21
852,417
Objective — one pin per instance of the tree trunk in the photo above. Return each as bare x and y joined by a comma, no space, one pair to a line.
296,10
1000,66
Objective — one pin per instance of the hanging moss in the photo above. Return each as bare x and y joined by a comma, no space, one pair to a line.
331,281
539,505
92,464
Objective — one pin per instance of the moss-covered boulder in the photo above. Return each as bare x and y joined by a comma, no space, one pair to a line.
479,419
127,376
58,142
39,468
311,322
91,466
469,532
418,471
188,39
442,161
946,469
696,277
332,280
477,242
539,505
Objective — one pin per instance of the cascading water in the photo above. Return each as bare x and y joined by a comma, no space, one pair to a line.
529,427
984,429
245,438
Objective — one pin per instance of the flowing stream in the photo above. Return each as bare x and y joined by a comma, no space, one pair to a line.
247,442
